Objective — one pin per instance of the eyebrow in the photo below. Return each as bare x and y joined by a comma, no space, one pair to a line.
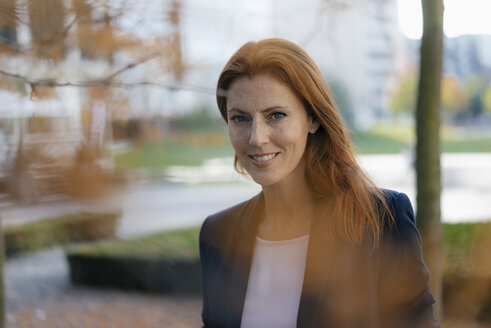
266,110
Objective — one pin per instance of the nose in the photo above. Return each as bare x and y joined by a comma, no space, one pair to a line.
259,134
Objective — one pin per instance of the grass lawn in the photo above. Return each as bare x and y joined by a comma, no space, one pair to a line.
191,149
481,145
179,149
373,142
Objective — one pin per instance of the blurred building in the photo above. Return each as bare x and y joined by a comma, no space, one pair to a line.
357,45
464,56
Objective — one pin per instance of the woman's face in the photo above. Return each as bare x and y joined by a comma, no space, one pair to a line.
268,127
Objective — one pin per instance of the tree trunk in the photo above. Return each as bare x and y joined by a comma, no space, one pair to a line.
428,144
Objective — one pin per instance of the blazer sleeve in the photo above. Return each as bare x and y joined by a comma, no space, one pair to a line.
405,299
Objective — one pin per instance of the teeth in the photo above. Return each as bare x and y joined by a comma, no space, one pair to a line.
263,158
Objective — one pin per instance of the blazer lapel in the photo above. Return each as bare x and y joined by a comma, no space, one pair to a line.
319,256
244,240
340,283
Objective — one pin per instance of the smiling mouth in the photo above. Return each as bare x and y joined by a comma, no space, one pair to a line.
263,158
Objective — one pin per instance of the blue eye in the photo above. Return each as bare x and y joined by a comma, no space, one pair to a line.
239,119
278,115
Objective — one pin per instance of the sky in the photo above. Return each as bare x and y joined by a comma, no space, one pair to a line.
460,17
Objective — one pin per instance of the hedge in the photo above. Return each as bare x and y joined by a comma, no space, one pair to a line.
169,262
59,230
467,271
165,262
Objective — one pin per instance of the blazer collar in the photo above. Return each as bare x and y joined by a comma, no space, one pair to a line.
251,215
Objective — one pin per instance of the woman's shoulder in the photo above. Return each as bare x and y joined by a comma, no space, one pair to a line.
231,218
403,226
403,293
399,204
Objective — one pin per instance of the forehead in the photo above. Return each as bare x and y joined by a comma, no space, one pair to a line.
260,92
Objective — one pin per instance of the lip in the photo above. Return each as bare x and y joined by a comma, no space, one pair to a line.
262,164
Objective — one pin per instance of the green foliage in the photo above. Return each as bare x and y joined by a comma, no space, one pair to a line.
343,102
461,243
486,99
475,87
203,118
60,230
461,237
474,84
454,99
163,262
467,271
471,98
404,97
169,245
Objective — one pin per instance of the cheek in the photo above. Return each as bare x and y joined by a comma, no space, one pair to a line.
236,137
293,137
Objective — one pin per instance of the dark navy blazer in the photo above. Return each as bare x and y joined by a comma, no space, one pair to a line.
345,285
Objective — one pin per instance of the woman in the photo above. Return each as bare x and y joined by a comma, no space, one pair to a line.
321,245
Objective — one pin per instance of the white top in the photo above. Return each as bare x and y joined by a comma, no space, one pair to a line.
275,283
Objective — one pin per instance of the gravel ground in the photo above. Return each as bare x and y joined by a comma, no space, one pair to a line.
39,294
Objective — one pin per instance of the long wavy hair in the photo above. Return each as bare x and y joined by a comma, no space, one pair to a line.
356,208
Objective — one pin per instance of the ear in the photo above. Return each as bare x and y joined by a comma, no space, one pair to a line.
314,124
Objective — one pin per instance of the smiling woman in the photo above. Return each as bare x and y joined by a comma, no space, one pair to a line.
268,129
321,245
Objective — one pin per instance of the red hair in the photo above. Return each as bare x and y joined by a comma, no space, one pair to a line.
356,207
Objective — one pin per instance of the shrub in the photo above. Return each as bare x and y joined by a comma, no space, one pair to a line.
60,230
165,262
467,271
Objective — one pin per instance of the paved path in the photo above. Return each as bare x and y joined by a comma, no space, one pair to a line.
39,294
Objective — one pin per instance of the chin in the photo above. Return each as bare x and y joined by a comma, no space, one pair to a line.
264,181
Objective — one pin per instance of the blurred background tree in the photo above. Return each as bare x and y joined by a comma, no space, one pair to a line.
403,100
428,181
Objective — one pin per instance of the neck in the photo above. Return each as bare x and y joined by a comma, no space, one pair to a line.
289,208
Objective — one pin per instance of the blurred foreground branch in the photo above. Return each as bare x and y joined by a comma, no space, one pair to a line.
108,81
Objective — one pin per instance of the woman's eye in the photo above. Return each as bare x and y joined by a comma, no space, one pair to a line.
278,115
239,119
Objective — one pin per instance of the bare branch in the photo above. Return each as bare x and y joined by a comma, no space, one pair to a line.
107,81
171,87
133,64
97,82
